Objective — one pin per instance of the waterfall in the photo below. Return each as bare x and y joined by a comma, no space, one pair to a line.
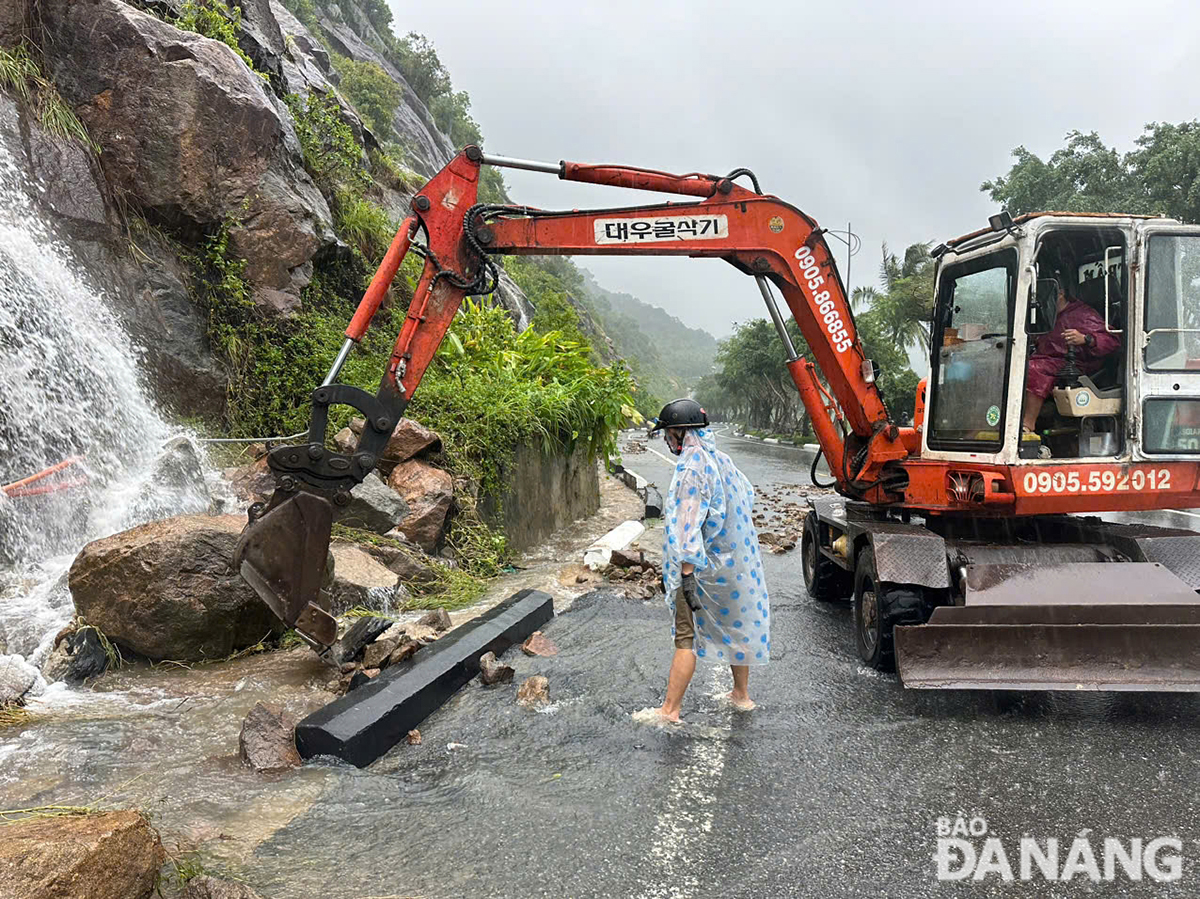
69,386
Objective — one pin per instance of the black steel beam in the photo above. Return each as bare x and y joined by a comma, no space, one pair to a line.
367,722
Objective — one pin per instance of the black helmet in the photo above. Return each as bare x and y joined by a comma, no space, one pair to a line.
683,413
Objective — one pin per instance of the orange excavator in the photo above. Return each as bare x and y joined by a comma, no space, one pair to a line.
967,544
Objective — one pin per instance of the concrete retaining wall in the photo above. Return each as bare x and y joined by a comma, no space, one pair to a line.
544,493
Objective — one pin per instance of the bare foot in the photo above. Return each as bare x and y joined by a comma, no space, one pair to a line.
741,703
655,716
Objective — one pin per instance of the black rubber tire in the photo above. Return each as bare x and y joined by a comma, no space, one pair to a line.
824,579
878,608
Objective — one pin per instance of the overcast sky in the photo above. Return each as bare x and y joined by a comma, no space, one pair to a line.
887,115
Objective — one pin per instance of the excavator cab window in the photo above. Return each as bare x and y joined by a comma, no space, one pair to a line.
1171,424
1082,416
971,353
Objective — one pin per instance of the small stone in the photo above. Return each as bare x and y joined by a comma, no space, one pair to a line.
539,644
376,654
768,537
414,737
493,671
581,578
454,747
535,691
438,619
403,652
422,633
267,742
622,558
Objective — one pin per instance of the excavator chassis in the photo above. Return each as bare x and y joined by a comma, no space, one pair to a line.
1038,603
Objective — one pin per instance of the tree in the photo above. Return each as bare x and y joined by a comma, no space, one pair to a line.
418,61
1158,177
372,91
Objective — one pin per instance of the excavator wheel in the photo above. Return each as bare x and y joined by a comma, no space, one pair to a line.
878,608
824,579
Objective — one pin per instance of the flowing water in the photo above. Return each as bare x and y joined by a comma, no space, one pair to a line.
69,387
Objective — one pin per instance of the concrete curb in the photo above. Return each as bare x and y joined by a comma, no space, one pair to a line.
646,491
365,723
597,555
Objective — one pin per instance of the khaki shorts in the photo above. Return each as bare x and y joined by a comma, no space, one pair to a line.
684,631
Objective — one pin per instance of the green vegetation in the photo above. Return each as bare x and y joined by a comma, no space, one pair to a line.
372,91
215,19
21,75
332,155
1160,176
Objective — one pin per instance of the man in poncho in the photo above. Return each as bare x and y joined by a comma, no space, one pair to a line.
712,567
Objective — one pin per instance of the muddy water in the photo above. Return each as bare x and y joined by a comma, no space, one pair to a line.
832,788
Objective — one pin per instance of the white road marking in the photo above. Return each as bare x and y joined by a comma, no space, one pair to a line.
670,462
686,819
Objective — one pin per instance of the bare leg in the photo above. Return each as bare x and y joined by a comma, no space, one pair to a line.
683,666
740,694
1033,407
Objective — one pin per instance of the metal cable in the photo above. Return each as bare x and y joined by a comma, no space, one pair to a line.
251,439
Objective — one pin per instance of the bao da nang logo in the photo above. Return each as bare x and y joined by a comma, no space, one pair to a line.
967,850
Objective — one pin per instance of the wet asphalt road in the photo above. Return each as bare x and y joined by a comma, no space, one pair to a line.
832,788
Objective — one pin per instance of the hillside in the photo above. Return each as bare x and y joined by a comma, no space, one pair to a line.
666,356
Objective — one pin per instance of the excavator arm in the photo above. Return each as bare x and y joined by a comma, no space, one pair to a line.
282,552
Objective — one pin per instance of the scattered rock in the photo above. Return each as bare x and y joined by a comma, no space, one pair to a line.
409,439
414,737
768,538
251,483
191,137
99,856
359,579
362,632
77,657
493,671
345,441
267,742
539,644
205,887
375,507
627,558
168,589
402,653
438,619
534,692
409,563
429,493
376,654
18,680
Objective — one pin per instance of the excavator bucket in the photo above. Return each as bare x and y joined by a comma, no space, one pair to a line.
282,554
1087,626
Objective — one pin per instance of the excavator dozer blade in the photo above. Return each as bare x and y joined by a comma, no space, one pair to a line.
282,555
1137,629
1150,657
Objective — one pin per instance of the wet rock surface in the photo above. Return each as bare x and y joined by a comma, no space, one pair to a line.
492,671
374,506
538,644
429,493
267,742
100,856
163,125
77,657
408,440
18,680
535,691
359,579
168,589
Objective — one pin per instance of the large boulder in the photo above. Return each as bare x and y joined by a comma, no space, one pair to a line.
192,136
429,493
409,438
374,506
168,589
99,856
359,580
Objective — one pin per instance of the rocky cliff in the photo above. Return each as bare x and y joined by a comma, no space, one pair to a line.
226,164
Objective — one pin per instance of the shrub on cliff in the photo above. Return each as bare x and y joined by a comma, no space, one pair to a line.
372,91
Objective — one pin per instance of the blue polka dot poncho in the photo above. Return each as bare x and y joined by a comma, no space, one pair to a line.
708,523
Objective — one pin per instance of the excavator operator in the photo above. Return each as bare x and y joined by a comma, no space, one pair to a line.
1076,325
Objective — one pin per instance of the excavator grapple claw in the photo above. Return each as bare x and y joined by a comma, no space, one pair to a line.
282,554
